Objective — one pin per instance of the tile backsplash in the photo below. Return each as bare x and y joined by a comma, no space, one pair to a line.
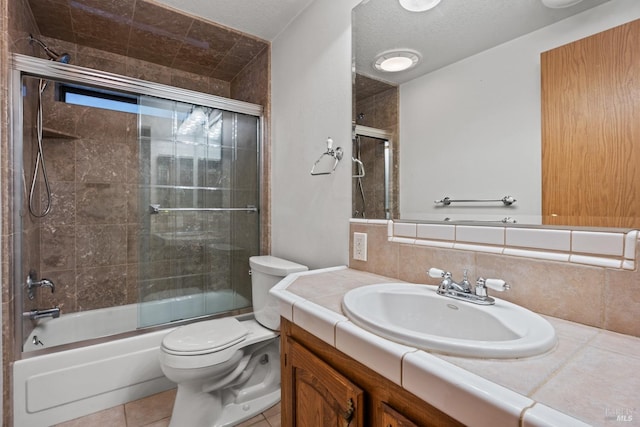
581,276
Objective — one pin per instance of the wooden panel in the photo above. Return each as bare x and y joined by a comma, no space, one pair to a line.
591,130
392,418
321,396
378,390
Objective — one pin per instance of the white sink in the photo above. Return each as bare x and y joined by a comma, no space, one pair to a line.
416,315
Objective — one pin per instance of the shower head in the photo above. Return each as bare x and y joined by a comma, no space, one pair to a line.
64,58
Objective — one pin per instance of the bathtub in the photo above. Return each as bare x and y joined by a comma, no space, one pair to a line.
85,325
60,386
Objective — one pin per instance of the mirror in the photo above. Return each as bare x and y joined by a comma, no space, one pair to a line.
466,119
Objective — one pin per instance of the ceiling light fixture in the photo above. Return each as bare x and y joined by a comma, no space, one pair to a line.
419,5
396,60
557,4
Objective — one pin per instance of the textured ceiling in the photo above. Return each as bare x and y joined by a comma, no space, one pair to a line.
454,30
262,18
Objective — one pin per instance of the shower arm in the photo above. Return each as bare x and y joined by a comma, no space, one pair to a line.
64,58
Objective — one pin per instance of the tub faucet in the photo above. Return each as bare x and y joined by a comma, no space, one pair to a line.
40,314
33,283
463,291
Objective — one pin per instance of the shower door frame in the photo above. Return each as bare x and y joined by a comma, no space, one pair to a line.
28,66
386,138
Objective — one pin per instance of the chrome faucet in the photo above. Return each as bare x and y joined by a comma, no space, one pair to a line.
33,283
40,314
463,291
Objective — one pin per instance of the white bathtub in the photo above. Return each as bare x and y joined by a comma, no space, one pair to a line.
60,386
73,327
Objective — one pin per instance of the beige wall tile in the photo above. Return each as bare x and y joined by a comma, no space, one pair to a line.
622,302
382,256
590,295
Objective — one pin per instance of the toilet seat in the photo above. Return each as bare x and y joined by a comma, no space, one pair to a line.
206,337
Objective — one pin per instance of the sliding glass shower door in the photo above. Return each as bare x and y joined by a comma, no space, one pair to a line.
198,203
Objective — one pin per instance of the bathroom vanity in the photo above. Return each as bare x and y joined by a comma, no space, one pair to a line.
335,370
318,379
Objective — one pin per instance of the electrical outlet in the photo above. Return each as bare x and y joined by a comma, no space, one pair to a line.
360,246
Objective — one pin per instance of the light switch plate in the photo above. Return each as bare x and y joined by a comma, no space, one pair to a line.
360,246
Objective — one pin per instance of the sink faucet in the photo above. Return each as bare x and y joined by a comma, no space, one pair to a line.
463,291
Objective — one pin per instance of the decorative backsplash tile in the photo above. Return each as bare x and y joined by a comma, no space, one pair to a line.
614,249
487,235
591,287
436,232
404,229
597,243
555,240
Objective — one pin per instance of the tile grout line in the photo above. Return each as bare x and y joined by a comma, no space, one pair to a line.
567,361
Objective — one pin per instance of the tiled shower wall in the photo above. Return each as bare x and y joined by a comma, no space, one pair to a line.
99,186
379,111
88,242
17,23
605,298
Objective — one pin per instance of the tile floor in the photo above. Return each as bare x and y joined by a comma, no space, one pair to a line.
155,411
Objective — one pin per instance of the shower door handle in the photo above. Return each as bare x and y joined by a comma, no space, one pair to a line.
157,209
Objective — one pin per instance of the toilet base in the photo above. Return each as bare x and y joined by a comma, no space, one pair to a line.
208,408
225,396
236,413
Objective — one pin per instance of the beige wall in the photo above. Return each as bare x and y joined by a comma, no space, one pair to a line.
311,87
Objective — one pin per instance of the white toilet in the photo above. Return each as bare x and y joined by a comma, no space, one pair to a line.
228,369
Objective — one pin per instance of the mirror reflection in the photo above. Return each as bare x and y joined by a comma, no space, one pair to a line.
468,121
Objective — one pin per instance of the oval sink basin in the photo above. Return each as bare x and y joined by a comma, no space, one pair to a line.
417,316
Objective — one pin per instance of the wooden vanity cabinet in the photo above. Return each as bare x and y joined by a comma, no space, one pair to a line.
392,418
322,386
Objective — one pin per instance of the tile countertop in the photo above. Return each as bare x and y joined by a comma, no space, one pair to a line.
592,377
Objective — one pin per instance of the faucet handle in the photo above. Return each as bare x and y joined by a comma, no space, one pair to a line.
436,273
497,284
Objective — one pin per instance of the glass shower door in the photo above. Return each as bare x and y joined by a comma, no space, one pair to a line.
198,210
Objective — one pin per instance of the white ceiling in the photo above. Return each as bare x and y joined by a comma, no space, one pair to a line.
454,30
262,18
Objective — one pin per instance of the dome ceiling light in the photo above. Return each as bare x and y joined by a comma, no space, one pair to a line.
396,60
419,5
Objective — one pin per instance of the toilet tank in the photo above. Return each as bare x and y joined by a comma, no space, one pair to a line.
266,271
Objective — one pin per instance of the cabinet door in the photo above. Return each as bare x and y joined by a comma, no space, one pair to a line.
319,396
392,418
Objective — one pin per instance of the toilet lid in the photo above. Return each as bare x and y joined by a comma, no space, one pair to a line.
205,337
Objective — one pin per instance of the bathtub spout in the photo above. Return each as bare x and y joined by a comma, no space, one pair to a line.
40,314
